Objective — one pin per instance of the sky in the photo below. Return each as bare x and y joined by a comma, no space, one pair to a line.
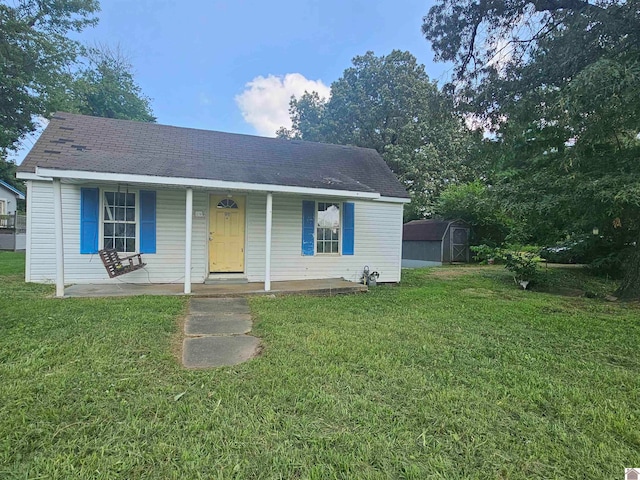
232,65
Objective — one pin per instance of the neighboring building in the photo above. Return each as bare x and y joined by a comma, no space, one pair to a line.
200,204
430,243
12,231
9,196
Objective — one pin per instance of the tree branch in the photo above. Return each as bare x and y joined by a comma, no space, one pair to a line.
470,51
553,5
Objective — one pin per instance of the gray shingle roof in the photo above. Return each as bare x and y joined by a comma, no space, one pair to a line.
79,142
431,230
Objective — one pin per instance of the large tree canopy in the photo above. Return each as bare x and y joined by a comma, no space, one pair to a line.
106,88
35,56
43,70
389,103
559,81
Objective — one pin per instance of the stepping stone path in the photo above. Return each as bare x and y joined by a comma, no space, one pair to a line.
216,333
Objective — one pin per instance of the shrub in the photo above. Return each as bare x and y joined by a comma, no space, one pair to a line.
523,265
484,253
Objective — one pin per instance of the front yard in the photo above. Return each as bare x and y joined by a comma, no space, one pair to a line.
454,374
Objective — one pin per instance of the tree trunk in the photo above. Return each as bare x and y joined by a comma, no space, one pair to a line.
630,286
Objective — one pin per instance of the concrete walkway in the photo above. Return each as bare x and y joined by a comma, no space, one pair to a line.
216,333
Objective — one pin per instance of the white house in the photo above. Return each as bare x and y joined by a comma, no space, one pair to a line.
201,204
12,236
9,195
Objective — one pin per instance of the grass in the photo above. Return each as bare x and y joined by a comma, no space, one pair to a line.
455,374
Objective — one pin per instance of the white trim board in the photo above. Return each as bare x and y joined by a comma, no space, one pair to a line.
198,182
44,174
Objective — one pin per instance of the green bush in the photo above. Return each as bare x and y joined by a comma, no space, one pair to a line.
484,253
522,264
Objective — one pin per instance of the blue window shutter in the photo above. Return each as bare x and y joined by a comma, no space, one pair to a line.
89,218
348,228
147,221
308,227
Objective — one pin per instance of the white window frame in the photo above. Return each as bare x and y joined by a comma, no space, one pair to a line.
3,207
340,227
137,217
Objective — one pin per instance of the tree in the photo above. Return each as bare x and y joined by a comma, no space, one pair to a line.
35,57
559,81
106,88
43,70
8,173
473,203
388,103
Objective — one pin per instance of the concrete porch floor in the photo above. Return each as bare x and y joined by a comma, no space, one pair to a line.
330,286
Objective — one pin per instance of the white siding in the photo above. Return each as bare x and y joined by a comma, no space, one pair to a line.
378,242
166,266
42,255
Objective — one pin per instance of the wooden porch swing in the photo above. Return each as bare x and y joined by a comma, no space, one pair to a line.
116,265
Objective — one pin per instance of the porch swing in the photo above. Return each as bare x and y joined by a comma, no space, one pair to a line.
113,263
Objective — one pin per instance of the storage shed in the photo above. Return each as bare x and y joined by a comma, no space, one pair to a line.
430,243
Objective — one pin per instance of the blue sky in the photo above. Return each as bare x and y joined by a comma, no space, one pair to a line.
231,65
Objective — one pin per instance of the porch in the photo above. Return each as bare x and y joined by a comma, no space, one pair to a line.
12,232
325,287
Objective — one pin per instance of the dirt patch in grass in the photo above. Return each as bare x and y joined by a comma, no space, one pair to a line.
178,337
562,291
457,271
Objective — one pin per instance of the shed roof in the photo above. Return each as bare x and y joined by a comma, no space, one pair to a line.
427,230
93,144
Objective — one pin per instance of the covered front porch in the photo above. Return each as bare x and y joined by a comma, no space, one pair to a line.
192,235
330,286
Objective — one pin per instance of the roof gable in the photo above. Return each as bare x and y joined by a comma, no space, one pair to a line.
12,189
78,142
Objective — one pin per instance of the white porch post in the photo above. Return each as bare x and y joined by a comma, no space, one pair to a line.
57,213
267,263
187,241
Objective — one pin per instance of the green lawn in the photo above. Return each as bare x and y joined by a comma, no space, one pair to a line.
455,374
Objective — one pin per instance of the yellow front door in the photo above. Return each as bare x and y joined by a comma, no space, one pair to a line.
226,234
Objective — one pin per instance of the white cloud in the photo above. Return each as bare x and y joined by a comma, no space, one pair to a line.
264,103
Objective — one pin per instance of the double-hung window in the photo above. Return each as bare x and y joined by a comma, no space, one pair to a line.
119,221
328,227
112,219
